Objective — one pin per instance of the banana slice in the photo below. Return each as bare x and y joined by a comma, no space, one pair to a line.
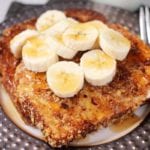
48,19
37,55
65,78
19,40
98,67
99,25
60,27
80,37
59,47
114,43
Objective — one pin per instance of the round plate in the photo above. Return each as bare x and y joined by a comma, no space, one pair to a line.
101,136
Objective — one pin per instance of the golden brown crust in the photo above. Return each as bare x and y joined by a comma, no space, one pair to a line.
84,15
8,62
63,120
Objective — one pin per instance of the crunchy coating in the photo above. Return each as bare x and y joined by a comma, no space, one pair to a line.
84,15
63,120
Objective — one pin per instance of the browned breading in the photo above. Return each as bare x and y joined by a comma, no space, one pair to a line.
63,120
84,15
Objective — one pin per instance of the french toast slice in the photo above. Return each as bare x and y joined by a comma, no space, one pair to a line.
64,119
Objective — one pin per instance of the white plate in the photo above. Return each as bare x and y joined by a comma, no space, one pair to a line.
101,136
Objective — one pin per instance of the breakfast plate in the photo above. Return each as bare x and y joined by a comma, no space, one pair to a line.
102,136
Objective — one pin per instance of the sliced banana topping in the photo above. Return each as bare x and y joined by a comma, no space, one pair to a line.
80,37
65,78
114,43
99,68
99,25
59,47
56,35
37,55
60,27
19,40
48,19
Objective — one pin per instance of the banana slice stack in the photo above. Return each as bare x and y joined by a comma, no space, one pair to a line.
59,36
